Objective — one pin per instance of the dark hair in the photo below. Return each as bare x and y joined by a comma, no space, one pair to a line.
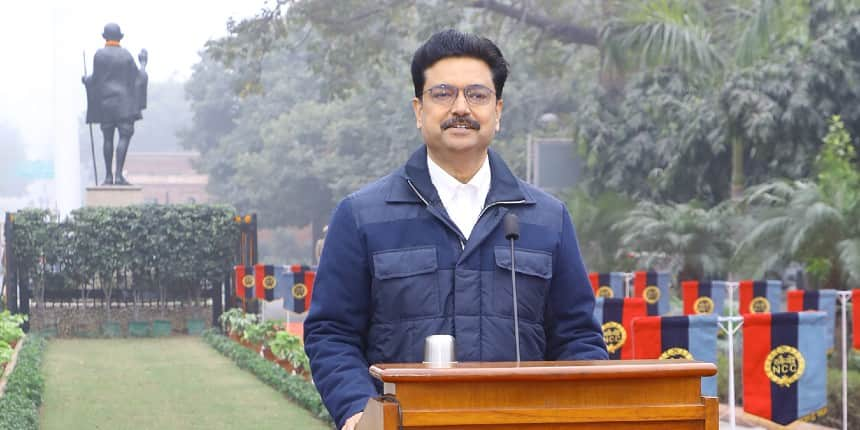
452,43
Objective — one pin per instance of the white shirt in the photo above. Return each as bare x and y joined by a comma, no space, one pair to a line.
463,202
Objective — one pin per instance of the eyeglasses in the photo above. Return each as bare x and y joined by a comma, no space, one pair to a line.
444,94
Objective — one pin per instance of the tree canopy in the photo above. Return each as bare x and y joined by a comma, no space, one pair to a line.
677,103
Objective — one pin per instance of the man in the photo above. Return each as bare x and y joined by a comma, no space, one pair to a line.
116,95
422,251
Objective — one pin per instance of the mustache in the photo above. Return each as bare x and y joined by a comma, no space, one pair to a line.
461,120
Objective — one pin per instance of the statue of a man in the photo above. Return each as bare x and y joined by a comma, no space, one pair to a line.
116,95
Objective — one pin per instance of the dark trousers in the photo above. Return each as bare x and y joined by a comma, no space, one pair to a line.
126,130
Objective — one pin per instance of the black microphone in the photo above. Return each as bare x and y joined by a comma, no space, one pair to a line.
512,233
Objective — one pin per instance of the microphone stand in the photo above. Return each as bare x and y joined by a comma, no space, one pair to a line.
512,233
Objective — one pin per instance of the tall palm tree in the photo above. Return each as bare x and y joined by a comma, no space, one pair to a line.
683,238
797,221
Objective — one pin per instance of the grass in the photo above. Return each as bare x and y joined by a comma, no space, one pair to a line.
170,383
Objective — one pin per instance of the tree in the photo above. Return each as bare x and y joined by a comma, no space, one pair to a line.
302,112
814,222
682,238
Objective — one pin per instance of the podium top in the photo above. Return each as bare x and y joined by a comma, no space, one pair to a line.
542,370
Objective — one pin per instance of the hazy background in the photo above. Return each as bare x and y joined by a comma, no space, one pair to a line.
41,96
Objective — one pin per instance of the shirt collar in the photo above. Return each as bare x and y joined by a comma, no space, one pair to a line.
447,185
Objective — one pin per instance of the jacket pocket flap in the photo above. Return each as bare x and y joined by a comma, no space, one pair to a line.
534,263
400,263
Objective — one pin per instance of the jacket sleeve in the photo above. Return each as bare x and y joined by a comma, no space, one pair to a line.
571,330
335,330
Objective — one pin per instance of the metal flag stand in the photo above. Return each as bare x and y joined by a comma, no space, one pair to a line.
628,276
844,297
730,329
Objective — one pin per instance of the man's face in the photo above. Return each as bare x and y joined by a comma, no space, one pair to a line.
439,124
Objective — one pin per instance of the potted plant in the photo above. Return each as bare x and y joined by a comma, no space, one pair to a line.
195,326
290,352
111,329
10,328
256,334
231,322
139,328
162,328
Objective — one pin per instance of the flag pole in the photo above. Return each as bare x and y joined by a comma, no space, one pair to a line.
844,296
730,332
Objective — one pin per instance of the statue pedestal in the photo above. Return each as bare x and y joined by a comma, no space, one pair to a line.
114,195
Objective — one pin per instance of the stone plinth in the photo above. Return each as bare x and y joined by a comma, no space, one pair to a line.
114,196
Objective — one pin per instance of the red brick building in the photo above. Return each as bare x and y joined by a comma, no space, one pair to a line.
167,177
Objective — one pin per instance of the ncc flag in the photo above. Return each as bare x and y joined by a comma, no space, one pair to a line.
265,281
284,287
811,300
607,284
616,316
855,305
244,281
653,287
703,297
689,337
785,365
300,293
760,297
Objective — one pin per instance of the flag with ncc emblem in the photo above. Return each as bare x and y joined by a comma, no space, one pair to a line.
609,285
653,287
703,297
760,297
265,281
785,365
616,316
284,286
691,337
244,281
812,300
855,305
300,293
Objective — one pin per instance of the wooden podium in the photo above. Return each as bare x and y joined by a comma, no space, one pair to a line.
631,394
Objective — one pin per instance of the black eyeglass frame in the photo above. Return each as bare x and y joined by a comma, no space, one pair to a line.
466,91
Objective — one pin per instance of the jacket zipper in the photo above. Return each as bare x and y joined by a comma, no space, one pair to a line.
513,202
426,204
483,211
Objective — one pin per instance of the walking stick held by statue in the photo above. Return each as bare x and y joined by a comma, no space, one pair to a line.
92,143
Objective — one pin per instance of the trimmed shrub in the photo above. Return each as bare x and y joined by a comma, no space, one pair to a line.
19,406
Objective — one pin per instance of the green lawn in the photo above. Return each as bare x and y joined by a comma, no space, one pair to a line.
171,383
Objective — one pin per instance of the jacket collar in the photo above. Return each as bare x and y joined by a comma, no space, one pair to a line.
504,186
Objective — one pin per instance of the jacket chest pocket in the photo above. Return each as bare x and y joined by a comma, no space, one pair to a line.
533,274
406,283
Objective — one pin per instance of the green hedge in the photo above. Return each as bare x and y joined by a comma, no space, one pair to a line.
169,250
19,406
294,387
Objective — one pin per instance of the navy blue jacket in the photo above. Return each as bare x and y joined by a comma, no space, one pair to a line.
395,269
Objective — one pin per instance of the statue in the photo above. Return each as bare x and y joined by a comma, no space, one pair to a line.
116,95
